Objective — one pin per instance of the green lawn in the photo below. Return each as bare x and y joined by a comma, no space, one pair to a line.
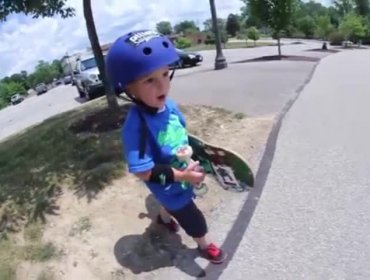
80,149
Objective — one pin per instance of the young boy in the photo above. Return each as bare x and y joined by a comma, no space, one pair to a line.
138,64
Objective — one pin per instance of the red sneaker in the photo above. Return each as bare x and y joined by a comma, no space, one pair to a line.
213,254
171,226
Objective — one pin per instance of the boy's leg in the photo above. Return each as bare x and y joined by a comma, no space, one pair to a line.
164,218
202,242
192,220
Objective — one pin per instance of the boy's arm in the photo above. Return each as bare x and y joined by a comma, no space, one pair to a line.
179,175
144,168
130,135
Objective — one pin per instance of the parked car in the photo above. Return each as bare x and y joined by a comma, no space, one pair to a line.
16,99
57,82
187,59
67,80
41,88
87,78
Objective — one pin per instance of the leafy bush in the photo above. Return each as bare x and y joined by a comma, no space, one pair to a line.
8,89
183,43
336,38
253,34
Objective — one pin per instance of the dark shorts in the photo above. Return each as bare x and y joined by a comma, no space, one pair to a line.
191,219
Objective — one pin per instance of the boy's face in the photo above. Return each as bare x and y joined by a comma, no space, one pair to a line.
152,89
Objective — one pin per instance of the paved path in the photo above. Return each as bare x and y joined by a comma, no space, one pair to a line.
313,218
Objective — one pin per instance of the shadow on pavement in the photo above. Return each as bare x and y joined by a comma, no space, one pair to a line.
276,57
156,248
80,100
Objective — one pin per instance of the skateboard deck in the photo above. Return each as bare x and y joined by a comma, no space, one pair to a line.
230,169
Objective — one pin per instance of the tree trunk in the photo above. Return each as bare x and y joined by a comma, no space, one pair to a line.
95,45
279,46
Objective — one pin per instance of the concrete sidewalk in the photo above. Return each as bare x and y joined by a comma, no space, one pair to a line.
312,220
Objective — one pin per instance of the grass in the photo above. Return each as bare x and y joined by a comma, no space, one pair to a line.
82,225
37,252
80,149
66,150
239,116
34,251
231,45
33,232
46,275
7,272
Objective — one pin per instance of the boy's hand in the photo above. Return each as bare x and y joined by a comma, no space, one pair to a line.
194,174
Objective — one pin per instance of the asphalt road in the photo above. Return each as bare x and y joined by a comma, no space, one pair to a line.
62,98
313,219
257,88
36,109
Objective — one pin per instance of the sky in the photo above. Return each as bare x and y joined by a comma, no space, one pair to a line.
24,41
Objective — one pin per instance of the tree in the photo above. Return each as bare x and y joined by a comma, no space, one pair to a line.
247,18
307,26
334,16
95,45
57,66
36,8
312,8
50,8
324,27
186,27
232,25
253,34
362,7
164,27
209,29
353,27
343,6
20,78
8,89
44,73
277,14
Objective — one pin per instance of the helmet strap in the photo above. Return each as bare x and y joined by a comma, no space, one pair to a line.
172,74
142,105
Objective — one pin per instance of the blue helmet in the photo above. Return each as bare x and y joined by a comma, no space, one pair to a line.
136,54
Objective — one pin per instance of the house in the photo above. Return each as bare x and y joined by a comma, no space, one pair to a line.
196,38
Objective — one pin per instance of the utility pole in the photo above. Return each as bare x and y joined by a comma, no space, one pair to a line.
220,61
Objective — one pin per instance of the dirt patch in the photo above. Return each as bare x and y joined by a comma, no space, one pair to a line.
103,120
115,236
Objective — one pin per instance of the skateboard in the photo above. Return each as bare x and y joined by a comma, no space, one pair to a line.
230,170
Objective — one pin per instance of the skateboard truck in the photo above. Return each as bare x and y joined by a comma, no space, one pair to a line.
184,154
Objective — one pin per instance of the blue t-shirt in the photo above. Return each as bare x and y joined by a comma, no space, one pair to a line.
166,133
